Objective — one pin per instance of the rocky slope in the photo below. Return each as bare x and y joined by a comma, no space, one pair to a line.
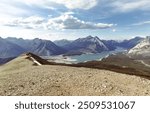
12,47
142,49
38,46
8,49
45,48
110,44
21,77
128,44
86,45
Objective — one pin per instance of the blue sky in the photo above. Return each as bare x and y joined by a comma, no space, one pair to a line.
71,19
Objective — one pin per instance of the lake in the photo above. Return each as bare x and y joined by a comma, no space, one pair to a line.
81,58
97,56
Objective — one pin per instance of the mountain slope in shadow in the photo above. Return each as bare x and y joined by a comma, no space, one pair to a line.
8,49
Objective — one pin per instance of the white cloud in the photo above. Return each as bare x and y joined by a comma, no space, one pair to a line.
67,21
15,8
141,23
8,8
24,7
32,22
128,5
80,4
70,4
47,4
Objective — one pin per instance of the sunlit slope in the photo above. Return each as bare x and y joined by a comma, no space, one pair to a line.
16,65
22,77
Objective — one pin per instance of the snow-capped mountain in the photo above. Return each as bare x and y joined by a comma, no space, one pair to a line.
86,45
12,47
128,44
141,49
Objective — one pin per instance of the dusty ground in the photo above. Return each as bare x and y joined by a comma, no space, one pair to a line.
20,77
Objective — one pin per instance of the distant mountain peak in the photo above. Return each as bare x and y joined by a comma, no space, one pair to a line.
137,37
38,46
38,40
85,45
62,42
141,49
12,47
8,49
89,36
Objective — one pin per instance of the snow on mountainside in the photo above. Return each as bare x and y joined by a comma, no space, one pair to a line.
141,49
131,42
79,46
86,45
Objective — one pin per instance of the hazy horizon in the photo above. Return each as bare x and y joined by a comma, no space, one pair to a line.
52,39
61,19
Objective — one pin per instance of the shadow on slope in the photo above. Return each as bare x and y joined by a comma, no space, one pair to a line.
120,63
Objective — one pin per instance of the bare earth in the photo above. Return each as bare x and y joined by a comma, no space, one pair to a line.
20,77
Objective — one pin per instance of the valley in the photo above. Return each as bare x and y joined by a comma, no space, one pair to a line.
40,73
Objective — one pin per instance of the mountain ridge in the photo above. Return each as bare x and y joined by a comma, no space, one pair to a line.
88,44
79,46
8,49
142,49
38,46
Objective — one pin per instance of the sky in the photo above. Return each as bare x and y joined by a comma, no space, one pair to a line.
72,19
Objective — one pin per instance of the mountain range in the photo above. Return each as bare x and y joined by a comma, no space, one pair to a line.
86,45
126,44
111,75
142,49
37,46
13,47
62,42
91,44
8,49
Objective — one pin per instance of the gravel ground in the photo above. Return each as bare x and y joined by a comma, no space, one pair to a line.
20,77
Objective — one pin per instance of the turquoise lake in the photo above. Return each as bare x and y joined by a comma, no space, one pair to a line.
98,56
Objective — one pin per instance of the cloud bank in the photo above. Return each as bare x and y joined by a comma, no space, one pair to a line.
65,21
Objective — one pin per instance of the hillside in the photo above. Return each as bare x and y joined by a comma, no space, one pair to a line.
38,46
22,77
13,47
8,49
141,50
85,45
